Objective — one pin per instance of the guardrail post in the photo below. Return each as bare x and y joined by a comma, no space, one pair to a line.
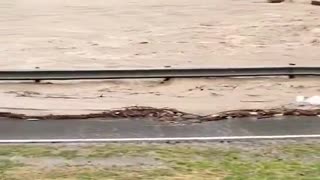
291,76
37,80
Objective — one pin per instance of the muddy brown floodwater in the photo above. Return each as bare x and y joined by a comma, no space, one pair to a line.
100,34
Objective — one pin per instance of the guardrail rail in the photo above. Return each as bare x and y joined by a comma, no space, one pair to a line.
38,75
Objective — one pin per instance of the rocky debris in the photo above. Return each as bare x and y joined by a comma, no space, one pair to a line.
173,115
259,113
162,114
144,42
315,2
275,1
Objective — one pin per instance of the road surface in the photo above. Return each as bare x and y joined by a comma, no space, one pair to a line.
143,128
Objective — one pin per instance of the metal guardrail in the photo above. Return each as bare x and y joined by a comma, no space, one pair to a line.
157,73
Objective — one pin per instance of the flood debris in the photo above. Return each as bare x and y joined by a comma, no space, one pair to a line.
171,115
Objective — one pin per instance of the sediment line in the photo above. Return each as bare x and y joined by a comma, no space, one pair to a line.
171,115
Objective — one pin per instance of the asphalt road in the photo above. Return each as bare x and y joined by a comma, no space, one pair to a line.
143,128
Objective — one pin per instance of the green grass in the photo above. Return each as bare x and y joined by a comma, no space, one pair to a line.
197,162
36,151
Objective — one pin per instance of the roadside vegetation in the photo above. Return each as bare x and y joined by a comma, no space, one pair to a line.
235,161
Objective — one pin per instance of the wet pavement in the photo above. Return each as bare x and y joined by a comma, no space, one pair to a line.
144,128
